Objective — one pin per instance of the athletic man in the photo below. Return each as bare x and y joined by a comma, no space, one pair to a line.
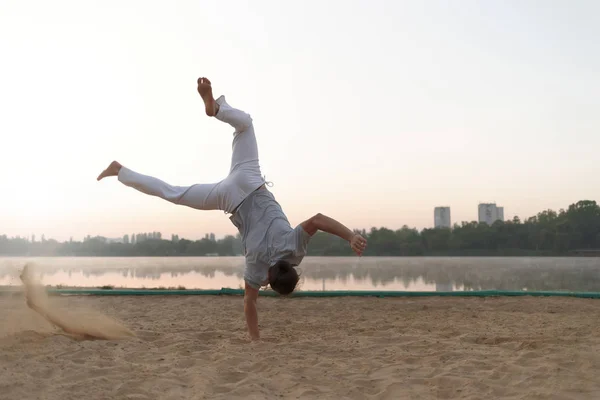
271,246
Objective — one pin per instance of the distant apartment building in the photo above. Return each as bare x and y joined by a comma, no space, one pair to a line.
490,213
441,217
500,212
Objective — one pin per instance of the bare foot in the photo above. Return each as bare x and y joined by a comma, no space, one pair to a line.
205,90
112,170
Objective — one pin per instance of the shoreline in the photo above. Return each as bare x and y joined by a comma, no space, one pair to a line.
182,291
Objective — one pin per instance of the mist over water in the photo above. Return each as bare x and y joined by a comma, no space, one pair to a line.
319,273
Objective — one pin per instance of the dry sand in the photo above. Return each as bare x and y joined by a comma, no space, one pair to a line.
195,347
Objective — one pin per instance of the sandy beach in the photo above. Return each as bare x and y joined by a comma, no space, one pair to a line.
195,347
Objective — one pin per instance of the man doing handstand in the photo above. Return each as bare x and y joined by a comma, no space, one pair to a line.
272,248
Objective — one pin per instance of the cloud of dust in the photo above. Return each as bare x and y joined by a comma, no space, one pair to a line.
79,323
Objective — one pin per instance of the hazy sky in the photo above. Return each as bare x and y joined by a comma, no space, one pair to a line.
372,112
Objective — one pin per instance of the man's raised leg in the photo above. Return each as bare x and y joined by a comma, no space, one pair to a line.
200,196
244,146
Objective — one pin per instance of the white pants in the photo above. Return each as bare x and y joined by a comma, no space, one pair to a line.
244,175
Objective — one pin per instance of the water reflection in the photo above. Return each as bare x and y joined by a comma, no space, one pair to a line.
321,273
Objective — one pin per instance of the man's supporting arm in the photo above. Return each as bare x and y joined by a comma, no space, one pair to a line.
250,298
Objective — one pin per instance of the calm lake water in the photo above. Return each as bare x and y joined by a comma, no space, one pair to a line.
319,273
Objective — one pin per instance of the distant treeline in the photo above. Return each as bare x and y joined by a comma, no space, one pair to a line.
547,233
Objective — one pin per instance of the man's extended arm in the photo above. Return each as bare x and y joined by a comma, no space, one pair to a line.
321,222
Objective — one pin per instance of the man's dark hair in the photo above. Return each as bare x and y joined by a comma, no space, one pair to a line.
283,277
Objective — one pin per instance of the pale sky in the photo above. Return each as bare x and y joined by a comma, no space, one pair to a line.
372,112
